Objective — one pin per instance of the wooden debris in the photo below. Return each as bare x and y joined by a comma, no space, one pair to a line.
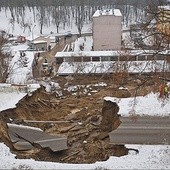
42,102
66,129
46,121
67,157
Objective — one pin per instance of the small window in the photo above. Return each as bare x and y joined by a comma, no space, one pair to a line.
123,58
95,58
132,58
69,59
77,59
151,57
86,59
141,58
160,57
105,58
59,60
114,58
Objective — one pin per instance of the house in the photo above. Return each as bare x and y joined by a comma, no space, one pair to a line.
106,30
163,21
39,43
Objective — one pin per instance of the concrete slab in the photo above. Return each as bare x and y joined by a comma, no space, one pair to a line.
23,146
24,137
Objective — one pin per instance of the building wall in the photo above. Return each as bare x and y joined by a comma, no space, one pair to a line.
41,46
47,39
107,32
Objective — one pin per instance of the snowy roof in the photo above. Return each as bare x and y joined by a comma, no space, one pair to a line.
33,37
12,39
86,53
115,12
108,53
164,7
39,42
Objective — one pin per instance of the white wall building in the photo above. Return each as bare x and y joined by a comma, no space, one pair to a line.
107,30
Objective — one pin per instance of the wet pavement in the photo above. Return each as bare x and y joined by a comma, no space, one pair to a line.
144,130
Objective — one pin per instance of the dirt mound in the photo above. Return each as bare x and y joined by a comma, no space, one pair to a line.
110,118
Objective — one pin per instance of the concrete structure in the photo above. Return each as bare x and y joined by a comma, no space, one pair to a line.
107,30
26,138
39,43
100,62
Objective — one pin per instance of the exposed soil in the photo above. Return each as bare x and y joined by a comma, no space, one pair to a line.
87,132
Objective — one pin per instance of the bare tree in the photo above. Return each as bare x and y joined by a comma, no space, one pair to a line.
56,17
80,16
4,61
41,18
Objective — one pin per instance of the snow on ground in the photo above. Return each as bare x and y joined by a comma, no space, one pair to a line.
149,157
22,68
9,100
86,42
11,94
150,105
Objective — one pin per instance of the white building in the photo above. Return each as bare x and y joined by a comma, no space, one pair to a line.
99,62
107,30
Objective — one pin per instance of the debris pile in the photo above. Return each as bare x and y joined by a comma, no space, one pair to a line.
84,129
80,115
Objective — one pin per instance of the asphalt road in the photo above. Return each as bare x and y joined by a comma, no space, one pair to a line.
145,130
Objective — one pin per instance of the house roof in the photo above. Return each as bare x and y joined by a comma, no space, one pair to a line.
164,8
109,53
39,42
115,12
86,53
32,37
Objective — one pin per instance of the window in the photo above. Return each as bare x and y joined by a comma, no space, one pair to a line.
95,58
113,58
132,58
105,58
68,59
77,59
86,59
150,57
59,60
123,58
160,57
141,58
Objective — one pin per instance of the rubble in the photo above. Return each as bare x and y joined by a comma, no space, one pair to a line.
110,117
85,122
